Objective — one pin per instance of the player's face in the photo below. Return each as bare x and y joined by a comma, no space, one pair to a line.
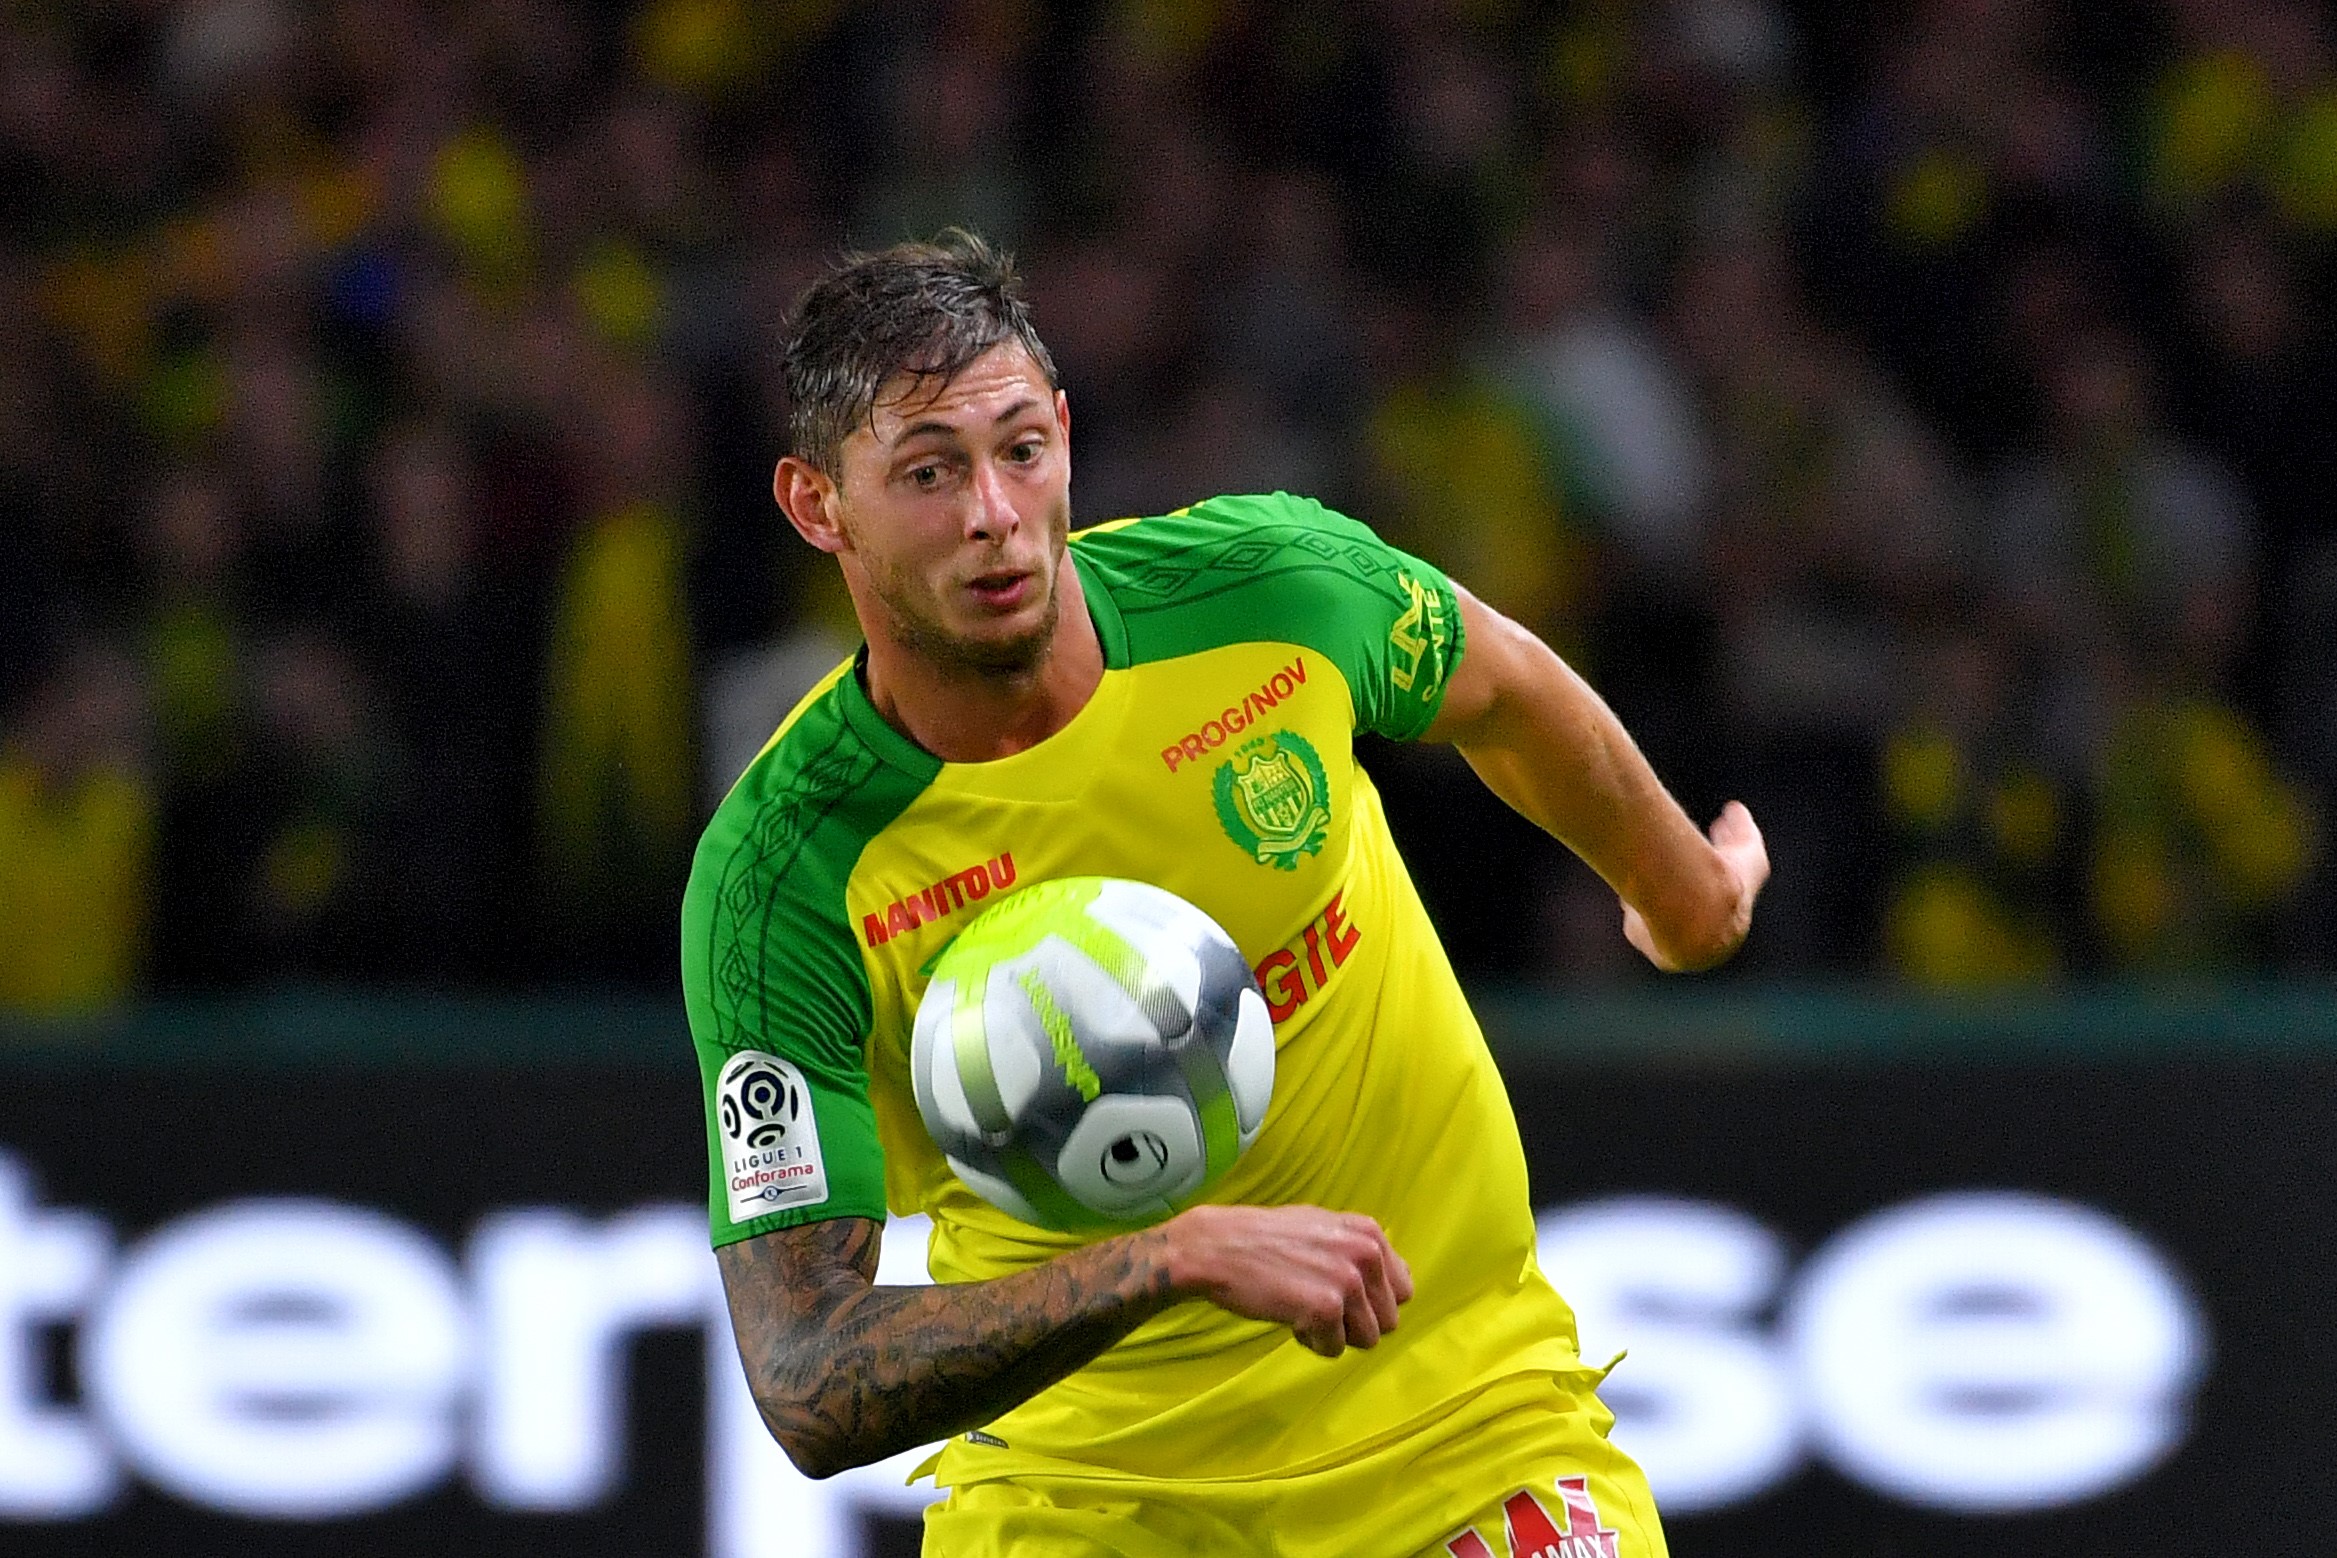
954,505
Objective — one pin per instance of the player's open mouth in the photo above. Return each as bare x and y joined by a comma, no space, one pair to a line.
1003,591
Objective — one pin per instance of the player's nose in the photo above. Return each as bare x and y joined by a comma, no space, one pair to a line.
990,511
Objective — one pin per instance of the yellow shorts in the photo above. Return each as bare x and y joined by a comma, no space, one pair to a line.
1535,1478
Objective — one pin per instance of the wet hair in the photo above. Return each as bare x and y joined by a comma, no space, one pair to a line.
923,310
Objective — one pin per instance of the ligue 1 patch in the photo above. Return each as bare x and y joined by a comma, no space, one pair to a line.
770,1141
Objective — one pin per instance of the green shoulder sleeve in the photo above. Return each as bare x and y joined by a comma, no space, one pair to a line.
1286,568
777,993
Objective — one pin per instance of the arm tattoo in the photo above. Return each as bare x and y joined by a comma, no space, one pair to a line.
847,1373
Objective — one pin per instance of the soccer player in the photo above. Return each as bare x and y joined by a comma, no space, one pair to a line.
1348,1349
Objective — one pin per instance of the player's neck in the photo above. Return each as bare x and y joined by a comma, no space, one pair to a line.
964,715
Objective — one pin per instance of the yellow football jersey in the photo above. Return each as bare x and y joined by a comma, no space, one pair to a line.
1246,642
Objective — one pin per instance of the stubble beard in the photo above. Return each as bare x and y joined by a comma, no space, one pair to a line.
917,626
949,651
918,629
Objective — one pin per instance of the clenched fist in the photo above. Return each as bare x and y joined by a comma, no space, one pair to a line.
1332,1277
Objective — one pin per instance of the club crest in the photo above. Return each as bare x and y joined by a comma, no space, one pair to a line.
1274,799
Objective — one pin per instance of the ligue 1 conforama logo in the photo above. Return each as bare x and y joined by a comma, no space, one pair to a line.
760,1103
770,1137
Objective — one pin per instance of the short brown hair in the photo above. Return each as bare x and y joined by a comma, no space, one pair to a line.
922,309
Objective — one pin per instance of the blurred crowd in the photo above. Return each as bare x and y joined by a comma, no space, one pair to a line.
1915,418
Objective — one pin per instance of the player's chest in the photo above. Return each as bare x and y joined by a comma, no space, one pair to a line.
1227,778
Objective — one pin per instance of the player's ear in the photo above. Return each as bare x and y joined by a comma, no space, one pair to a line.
807,496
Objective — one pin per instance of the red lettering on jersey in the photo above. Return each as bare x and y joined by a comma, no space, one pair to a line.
939,900
1288,982
1341,935
1223,726
1582,1517
1532,1535
1468,1545
1285,990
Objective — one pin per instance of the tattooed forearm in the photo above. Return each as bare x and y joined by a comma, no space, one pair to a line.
846,1373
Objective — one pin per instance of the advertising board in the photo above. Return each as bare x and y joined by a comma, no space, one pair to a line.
2020,1305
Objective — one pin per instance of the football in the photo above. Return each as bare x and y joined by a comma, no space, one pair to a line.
1092,1053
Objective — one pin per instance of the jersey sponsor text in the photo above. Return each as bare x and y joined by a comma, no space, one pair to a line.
1297,973
1533,1534
1236,718
1416,641
944,898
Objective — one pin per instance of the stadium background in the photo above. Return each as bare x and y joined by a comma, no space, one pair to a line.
1913,417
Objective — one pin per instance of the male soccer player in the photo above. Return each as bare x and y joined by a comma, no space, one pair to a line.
1172,700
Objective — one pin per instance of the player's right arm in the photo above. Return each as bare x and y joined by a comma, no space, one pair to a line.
845,1372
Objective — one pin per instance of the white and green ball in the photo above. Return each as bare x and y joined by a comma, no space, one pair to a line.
1092,1053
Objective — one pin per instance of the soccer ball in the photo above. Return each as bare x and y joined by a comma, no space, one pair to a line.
1092,1053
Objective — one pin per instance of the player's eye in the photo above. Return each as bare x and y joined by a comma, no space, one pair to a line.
925,478
1024,451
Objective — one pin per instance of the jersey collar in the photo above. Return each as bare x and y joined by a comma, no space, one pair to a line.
906,755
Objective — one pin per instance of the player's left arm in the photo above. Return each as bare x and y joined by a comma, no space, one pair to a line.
1547,744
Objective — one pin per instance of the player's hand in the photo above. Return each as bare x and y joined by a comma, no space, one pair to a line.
1736,840
1332,1277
